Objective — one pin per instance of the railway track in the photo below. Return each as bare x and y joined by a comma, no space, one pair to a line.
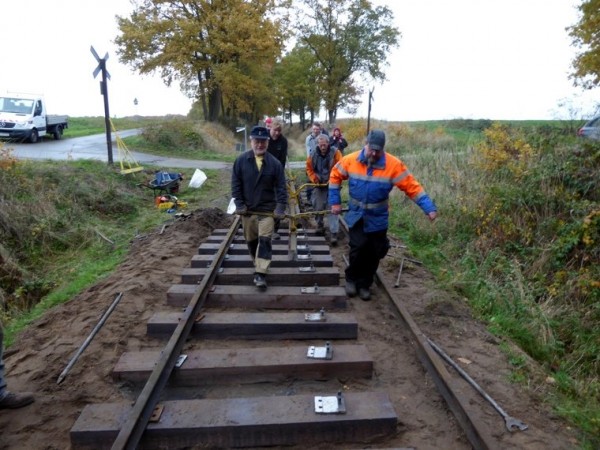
238,367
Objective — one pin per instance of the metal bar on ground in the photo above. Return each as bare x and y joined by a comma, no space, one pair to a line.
107,313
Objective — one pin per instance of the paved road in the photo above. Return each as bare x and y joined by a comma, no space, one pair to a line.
94,147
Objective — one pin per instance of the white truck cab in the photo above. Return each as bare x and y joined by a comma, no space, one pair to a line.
23,117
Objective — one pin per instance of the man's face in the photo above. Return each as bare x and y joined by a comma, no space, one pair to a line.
316,130
373,155
323,146
275,133
259,146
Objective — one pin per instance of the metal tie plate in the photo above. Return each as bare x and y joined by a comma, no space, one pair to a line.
315,317
320,352
310,290
330,405
310,268
180,360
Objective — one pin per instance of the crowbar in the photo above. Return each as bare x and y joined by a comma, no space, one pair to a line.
512,424
63,374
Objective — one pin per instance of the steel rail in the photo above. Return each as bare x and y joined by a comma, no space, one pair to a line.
132,430
434,365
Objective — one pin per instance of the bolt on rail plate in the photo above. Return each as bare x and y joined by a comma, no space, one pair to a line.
330,405
307,257
310,268
320,352
310,290
156,413
315,317
302,247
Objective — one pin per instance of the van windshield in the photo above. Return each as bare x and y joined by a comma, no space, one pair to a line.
16,105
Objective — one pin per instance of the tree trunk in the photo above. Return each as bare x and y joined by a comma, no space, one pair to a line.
202,96
214,105
332,113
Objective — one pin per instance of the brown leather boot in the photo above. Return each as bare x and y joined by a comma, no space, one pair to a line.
14,400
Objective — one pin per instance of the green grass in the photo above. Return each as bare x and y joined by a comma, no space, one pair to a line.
517,238
87,126
53,242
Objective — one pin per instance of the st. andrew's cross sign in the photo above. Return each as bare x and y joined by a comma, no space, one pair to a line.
104,91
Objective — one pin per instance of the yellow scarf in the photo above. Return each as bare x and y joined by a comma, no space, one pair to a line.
259,161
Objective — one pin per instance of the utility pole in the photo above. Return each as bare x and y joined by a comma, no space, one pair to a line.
104,91
369,111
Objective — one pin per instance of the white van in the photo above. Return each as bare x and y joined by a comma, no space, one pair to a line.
23,117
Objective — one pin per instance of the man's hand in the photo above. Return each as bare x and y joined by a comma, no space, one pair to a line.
279,213
241,210
432,215
336,209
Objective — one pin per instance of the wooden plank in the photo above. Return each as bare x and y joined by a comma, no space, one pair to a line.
278,248
250,365
243,422
275,297
277,276
200,261
245,325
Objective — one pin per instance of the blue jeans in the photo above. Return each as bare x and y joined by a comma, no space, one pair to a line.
320,202
2,380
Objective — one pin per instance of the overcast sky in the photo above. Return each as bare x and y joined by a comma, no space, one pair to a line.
474,59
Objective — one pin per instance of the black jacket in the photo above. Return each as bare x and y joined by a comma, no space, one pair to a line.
258,191
279,149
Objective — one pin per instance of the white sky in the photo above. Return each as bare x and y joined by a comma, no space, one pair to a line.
474,59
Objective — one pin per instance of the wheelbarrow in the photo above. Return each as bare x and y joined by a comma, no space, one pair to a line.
165,183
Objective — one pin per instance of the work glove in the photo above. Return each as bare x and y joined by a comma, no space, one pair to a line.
241,210
336,209
279,212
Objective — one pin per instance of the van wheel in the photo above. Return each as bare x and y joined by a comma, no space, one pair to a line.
34,136
58,131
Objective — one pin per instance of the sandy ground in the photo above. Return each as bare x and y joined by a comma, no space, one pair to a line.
155,262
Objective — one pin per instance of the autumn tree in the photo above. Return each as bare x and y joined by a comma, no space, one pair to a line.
295,86
221,51
586,37
351,40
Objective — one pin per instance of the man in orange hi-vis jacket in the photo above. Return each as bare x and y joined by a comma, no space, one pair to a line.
371,174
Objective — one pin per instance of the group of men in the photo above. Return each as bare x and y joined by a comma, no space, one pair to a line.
259,191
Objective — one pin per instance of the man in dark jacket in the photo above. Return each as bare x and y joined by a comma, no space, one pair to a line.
278,147
258,189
